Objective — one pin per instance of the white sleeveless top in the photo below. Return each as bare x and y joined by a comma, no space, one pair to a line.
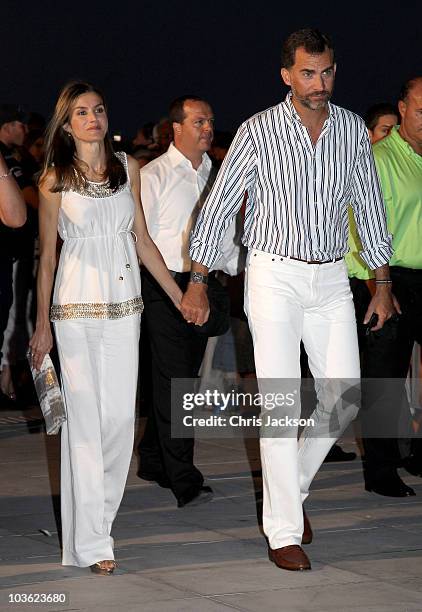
98,273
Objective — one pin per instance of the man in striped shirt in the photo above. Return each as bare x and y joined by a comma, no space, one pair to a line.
301,162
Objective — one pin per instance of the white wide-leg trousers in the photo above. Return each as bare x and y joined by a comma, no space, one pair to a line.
287,301
99,368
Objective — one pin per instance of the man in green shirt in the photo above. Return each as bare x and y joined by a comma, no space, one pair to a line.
380,120
398,159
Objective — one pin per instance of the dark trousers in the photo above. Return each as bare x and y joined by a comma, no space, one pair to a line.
387,355
177,352
6,295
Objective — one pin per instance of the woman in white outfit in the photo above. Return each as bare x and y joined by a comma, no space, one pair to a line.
91,196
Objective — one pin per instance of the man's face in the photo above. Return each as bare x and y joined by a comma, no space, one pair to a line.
311,78
411,114
383,127
16,133
197,130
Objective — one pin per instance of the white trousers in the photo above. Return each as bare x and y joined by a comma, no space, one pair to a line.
287,301
99,368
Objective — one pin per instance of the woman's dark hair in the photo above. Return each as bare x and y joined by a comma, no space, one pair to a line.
313,41
376,111
60,148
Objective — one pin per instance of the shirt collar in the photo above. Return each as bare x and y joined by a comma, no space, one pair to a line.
294,115
177,158
401,142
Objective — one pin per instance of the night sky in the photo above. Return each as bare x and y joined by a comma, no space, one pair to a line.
143,54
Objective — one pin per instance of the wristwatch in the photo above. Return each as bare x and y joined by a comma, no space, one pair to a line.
198,277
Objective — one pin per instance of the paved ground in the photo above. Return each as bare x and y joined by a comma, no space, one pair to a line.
366,553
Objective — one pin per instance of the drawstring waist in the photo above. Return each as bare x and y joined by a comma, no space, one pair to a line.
122,234
127,264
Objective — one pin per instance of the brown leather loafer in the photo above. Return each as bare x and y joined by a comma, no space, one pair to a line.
290,558
307,530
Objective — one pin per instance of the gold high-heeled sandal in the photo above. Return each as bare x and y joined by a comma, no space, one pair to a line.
103,570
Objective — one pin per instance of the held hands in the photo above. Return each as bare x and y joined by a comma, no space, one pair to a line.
384,305
195,306
40,344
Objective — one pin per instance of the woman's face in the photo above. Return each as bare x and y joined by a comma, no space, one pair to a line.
88,119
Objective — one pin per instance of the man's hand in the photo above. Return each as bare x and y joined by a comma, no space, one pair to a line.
384,304
195,306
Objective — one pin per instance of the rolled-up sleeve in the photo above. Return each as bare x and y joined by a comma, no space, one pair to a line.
235,177
369,209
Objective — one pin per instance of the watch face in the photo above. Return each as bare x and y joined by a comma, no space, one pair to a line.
198,277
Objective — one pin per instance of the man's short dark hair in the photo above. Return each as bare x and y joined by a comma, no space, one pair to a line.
313,41
407,87
376,111
177,111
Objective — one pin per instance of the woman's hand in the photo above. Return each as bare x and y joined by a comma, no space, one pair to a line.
40,344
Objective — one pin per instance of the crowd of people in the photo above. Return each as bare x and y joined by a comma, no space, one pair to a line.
325,208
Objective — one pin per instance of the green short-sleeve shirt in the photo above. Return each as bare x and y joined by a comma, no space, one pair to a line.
400,171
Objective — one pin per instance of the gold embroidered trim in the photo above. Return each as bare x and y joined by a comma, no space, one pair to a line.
102,190
96,310
98,190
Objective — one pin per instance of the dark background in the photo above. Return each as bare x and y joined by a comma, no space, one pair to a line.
142,54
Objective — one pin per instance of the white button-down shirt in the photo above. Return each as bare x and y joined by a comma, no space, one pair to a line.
172,193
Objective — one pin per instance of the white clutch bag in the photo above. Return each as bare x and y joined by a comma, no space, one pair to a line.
49,395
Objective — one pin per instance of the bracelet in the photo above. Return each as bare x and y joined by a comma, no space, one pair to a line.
383,281
3,176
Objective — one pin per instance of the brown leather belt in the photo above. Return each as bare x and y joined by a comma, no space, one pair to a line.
316,262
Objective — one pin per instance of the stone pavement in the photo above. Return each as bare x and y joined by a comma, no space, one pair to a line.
366,555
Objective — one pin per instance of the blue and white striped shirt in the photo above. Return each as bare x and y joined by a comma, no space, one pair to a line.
298,193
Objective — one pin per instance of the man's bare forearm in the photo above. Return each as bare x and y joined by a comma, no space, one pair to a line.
382,273
197,267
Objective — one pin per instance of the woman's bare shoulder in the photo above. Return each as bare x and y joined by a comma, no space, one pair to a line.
47,180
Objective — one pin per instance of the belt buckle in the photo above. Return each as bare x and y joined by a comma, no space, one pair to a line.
327,261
